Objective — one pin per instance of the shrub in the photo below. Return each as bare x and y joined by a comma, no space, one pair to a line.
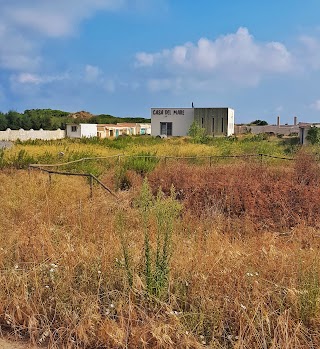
313,135
197,133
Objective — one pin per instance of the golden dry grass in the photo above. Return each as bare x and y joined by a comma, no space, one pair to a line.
64,282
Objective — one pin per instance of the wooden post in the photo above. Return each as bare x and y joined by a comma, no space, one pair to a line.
261,158
91,187
210,161
165,160
50,180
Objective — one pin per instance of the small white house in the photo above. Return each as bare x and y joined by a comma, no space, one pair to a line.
143,129
81,130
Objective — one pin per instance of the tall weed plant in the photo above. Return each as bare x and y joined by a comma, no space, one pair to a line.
165,210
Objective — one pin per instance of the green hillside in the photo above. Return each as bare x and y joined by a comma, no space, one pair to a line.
49,119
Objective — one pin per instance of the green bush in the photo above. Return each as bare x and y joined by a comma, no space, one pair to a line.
141,163
197,133
313,135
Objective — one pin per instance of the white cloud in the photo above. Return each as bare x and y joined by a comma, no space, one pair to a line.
316,105
92,73
310,51
54,18
24,25
236,57
35,79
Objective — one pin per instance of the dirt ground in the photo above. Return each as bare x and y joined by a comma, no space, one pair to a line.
5,344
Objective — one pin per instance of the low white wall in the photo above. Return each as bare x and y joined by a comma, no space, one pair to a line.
24,135
283,129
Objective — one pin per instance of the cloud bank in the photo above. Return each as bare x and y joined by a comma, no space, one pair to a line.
232,59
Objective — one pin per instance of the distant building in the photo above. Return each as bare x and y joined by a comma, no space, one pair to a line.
303,131
278,129
176,122
107,130
81,130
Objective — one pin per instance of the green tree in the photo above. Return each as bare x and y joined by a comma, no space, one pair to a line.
3,122
259,123
197,133
313,135
14,120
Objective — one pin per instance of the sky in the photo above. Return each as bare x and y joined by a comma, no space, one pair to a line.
123,57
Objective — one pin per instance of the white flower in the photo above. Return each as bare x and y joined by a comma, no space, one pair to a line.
111,305
243,307
16,266
99,272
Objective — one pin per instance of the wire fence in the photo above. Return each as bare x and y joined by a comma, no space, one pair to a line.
208,159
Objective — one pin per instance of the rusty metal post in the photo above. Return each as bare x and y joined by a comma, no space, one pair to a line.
91,187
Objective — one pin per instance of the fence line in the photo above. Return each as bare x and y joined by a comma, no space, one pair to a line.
165,157
42,167
73,162
88,175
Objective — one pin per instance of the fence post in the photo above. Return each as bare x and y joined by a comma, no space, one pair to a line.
50,180
119,158
91,186
210,161
261,158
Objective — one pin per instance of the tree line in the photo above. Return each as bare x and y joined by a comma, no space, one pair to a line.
48,119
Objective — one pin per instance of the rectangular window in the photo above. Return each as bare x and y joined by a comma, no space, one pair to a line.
73,128
213,125
222,126
202,122
166,128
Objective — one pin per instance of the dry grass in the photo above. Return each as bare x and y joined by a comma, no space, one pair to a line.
64,279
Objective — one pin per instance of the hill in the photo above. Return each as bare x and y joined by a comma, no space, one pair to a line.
49,119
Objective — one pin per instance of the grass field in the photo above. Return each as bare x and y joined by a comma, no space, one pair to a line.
221,256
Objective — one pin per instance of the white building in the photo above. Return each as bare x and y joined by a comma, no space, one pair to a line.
81,130
177,122
304,129
107,130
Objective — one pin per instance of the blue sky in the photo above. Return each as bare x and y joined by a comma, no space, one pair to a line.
123,57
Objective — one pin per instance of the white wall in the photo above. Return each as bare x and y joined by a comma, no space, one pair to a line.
88,130
71,134
24,135
147,128
83,130
181,119
230,130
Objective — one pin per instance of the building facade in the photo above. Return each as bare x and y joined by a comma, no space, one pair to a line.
216,121
81,130
107,130
166,122
304,129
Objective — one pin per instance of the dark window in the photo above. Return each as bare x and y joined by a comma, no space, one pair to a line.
202,122
166,128
73,128
222,126
212,125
